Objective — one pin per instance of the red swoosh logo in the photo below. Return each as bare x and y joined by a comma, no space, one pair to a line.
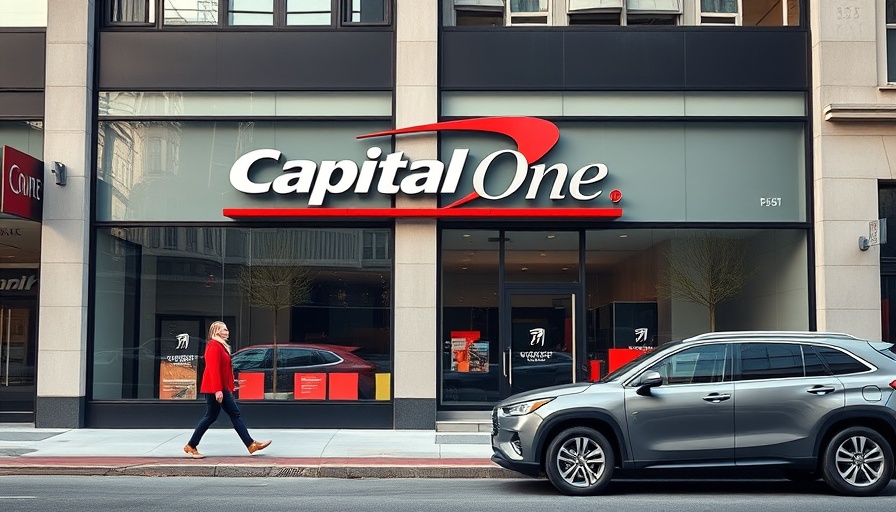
534,137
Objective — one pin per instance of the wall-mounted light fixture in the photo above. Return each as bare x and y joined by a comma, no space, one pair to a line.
877,234
59,170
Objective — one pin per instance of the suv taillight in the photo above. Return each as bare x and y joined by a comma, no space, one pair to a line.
893,384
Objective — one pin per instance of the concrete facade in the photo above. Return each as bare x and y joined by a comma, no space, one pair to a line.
62,358
854,147
415,320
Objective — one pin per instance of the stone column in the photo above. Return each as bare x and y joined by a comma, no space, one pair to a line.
854,146
62,328
416,333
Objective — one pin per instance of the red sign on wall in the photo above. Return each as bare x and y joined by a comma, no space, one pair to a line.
21,191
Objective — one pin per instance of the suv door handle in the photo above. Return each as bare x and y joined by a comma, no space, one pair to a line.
820,390
716,397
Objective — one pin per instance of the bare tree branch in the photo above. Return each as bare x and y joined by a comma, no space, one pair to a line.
705,268
277,283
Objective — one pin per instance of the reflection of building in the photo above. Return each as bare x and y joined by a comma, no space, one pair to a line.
695,133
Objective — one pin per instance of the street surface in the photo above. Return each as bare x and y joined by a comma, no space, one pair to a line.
101,493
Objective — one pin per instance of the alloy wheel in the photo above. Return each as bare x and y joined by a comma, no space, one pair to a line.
860,461
581,461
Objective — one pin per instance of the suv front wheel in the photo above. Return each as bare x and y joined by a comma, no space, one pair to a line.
580,462
858,462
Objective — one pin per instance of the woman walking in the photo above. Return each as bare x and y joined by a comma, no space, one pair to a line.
217,385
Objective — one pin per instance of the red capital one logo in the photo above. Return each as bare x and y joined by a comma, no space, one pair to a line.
533,137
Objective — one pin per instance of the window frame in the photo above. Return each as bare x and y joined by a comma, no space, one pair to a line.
547,15
889,75
737,19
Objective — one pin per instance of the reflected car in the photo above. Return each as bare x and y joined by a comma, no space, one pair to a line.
293,358
805,405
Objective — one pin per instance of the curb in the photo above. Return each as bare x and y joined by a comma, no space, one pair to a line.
378,468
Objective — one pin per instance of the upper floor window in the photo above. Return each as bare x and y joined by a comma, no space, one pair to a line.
19,13
191,12
247,13
720,12
622,12
891,41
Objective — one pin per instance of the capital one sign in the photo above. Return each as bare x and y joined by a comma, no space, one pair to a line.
21,189
392,173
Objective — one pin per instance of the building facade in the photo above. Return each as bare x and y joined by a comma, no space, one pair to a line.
407,210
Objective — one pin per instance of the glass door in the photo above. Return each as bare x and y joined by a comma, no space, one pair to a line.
18,352
542,339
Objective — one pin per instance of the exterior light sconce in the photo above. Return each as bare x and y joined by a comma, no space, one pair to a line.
59,170
877,234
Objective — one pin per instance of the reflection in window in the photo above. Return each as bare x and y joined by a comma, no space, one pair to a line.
624,12
251,12
891,40
364,11
469,298
698,365
293,289
630,272
530,12
770,361
190,12
719,6
308,12
132,11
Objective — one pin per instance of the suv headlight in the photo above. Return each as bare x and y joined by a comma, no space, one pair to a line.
524,408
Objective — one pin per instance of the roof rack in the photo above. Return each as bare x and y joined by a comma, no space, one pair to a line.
783,334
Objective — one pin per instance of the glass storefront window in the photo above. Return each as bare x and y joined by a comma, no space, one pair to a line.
541,256
309,313
26,136
642,288
645,287
470,264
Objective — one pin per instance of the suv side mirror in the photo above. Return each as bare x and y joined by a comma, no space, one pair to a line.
647,381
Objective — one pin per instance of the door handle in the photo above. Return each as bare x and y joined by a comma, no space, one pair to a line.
509,373
504,363
820,390
716,397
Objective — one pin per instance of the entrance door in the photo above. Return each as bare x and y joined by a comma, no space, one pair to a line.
541,338
18,352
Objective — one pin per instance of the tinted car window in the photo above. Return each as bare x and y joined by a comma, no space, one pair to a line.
770,361
696,365
328,357
296,357
249,359
814,365
839,362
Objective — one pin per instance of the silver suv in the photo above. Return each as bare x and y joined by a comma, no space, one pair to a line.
813,404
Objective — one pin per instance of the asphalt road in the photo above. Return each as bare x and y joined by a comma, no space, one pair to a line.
98,493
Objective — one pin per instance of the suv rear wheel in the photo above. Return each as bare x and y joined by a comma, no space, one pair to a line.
580,462
858,462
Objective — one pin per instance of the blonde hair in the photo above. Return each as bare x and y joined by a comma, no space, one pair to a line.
214,331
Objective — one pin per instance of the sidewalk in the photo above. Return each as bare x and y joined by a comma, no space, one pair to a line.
293,453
